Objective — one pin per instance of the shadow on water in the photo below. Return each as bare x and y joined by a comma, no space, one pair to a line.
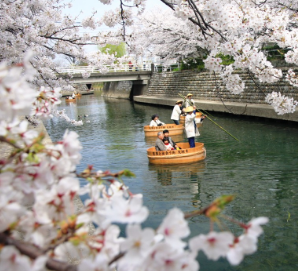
261,170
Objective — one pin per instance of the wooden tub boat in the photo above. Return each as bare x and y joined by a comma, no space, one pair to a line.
70,100
78,95
198,115
183,156
173,129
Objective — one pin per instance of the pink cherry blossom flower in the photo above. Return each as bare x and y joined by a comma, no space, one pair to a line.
214,245
174,227
126,210
243,245
12,260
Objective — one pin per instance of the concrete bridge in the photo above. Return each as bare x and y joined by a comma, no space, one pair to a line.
124,81
92,74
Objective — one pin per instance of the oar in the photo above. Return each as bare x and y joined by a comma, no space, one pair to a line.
221,128
212,121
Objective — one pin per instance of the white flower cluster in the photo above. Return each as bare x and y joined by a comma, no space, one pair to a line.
46,102
17,96
292,78
281,104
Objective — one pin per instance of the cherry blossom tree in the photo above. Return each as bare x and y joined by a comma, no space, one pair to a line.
235,28
39,225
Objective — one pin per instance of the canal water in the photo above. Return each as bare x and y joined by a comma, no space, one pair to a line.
261,170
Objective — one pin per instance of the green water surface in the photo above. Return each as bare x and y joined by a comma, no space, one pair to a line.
260,169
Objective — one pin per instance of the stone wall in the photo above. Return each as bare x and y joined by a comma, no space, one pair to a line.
117,89
203,87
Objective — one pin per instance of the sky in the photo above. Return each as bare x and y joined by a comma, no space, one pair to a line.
88,6
83,8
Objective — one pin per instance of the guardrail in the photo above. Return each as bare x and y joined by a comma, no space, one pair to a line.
122,68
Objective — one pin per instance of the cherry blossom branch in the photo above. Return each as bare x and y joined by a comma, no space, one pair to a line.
5,140
123,19
34,252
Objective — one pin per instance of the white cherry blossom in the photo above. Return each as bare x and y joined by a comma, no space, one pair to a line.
174,227
138,243
254,229
214,245
124,210
11,259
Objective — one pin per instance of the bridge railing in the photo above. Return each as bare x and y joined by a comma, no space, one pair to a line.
95,69
122,68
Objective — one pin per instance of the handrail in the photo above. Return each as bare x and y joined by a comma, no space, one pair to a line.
122,68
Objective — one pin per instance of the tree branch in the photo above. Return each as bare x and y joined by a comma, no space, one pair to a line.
34,252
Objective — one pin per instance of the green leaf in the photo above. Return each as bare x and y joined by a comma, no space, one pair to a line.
128,173
32,158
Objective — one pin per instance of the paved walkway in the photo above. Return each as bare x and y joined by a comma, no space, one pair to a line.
249,109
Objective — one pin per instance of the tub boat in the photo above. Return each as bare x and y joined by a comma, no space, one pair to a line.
70,99
183,156
173,129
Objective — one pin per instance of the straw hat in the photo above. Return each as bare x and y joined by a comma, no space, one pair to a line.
189,94
179,101
188,109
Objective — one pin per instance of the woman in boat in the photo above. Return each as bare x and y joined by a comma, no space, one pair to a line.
190,126
155,121
176,112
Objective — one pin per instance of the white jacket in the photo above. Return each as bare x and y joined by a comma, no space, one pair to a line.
190,102
176,112
190,128
155,123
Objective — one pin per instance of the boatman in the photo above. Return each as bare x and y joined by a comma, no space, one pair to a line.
176,112
190,126
159,145
189,101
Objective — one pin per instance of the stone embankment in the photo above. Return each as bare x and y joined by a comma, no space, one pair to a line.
209,93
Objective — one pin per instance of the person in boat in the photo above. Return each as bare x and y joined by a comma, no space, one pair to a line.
73,95
155,121
176,112
159,145
167,143
190,126
166,134
189,101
